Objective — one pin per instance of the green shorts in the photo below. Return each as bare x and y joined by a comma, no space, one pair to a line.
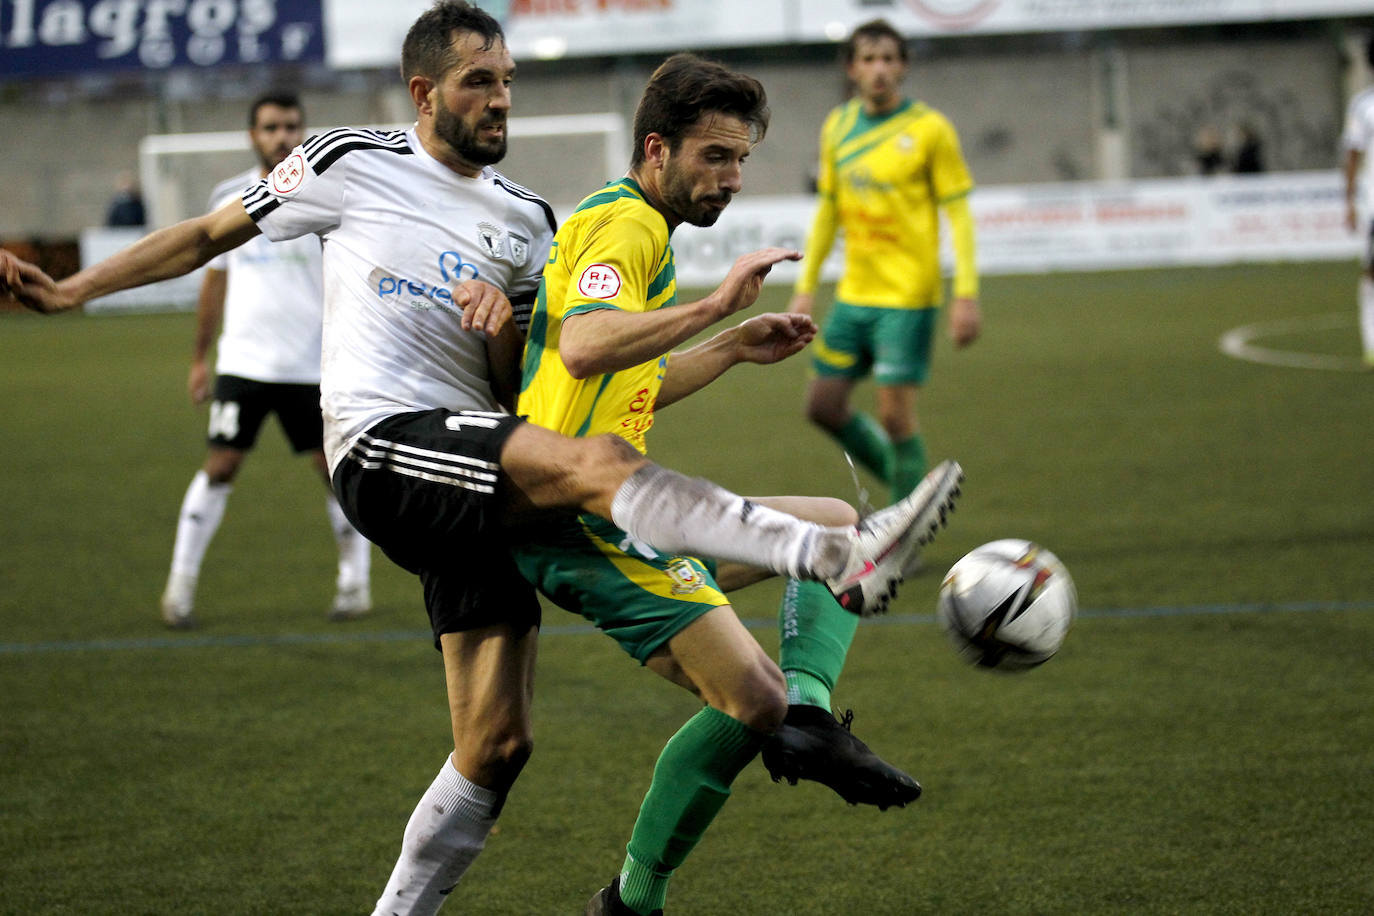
891,344
639,597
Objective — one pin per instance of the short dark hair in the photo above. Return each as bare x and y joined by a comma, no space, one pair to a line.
873,30
428,48
1369,50
684,88
279,97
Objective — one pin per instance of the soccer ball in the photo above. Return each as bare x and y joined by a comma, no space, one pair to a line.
1007,605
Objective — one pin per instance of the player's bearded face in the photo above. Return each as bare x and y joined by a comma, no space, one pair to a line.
702,176
472,100
699,206
481,143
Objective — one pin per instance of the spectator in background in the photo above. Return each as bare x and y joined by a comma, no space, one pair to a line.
1207,151
126,207
1249,157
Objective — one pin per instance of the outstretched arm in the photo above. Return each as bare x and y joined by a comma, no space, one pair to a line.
166,253
608,340
767,338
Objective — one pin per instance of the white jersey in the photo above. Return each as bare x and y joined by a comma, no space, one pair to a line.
400,230
273,303
1359,136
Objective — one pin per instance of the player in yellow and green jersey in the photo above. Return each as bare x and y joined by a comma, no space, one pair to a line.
888,165
599,359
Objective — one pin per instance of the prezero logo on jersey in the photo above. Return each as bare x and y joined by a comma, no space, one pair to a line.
599,281
455,260
286,178
421,295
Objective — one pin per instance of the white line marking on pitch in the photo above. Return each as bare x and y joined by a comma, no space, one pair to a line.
1237,343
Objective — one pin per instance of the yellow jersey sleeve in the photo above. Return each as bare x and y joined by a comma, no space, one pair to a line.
612,253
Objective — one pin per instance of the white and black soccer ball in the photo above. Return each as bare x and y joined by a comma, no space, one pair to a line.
1007,605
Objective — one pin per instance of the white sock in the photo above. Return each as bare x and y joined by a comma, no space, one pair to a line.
679,514
201,511
446,832
355,551
1367,316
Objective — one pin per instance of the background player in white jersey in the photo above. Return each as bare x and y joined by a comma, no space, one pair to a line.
421,239
1359,213
266,300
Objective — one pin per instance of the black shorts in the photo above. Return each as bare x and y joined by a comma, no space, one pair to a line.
241,406
425,487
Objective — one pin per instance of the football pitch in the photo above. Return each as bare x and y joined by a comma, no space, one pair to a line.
1204,743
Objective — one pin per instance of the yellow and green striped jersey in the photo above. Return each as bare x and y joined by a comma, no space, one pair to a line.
612,253
881,181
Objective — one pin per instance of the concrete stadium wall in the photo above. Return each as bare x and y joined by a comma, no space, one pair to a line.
1029,109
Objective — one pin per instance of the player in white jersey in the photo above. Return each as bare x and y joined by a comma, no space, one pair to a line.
266,300
421,239
1356,140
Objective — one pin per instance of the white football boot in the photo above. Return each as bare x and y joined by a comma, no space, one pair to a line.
883,543
350,603
179,602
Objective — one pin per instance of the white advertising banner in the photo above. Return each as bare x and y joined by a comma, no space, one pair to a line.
559,28
178,294
1287,216
365,33
822,19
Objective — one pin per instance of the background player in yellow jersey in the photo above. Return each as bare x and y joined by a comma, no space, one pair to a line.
598,360
887,165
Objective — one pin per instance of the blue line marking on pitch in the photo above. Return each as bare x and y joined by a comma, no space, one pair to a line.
756,623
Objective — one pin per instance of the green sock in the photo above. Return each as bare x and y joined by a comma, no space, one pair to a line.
691,782
815,637
909,465
866,440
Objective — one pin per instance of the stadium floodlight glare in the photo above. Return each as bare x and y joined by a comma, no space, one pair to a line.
177,171
550,47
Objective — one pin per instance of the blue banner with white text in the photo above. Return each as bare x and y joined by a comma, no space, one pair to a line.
52,37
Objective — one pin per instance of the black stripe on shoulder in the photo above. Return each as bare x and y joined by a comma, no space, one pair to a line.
526,194
335,152
323,151
318,141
